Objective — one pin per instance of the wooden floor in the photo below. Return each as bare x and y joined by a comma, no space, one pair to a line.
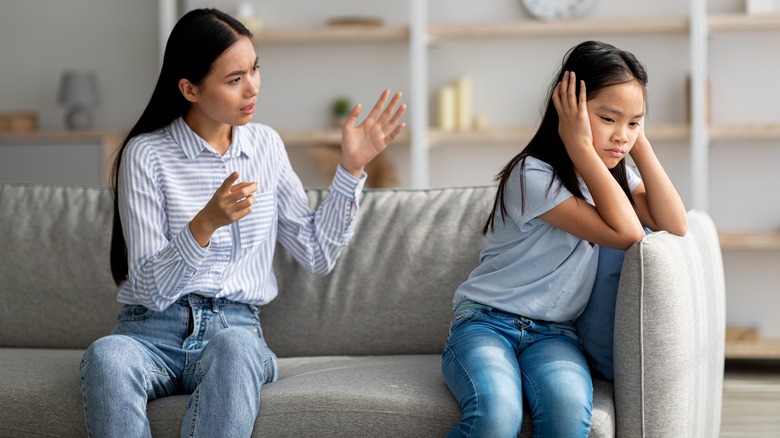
751,400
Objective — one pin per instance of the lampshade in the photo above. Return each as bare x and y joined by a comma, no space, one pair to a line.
79,88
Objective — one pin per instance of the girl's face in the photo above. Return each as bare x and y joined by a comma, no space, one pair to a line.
616,117
227,95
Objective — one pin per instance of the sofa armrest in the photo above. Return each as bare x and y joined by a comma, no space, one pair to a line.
670,334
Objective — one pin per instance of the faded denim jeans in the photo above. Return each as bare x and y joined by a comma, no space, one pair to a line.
494,360
212,349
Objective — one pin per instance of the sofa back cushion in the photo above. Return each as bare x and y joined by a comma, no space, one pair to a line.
56,289
391,291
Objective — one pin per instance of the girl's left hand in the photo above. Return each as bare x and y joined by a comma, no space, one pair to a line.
641,144
362,143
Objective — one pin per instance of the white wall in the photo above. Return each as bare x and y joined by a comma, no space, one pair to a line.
39,39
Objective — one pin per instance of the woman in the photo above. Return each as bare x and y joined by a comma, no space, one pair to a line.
201,198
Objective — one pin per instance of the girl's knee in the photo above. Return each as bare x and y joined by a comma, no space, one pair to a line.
567,413
493,414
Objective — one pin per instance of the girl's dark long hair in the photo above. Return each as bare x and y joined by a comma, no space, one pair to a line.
599,65
196,41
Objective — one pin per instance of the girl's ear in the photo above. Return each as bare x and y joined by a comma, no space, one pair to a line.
188,90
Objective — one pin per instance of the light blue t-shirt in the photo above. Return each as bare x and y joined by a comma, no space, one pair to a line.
528,266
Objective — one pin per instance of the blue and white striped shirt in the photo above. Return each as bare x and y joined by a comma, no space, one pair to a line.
169,175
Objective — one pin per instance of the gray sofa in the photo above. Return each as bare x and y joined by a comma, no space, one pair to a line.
360,348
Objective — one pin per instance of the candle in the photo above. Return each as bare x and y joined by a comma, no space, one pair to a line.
447,108
463,89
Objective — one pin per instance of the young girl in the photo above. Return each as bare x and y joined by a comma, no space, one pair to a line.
512,338
192,246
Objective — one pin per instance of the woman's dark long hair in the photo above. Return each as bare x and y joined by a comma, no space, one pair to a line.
196,41
600,65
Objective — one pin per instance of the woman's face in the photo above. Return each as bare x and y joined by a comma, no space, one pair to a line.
228,94
616,117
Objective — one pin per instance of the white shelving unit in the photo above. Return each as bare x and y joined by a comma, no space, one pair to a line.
422,138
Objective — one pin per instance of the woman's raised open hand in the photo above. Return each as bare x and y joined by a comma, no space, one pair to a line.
361,143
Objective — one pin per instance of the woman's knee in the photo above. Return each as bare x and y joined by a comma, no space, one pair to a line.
109,355
237,342
237,350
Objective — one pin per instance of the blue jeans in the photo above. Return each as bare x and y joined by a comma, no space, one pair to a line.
212,349
494,360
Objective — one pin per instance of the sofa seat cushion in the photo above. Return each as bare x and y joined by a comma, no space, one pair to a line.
40,393
358,396
354,396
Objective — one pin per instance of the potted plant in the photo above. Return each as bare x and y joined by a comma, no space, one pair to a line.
341,108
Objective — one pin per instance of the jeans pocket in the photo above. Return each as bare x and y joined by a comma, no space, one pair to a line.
565,329
460,318
133,312
241,316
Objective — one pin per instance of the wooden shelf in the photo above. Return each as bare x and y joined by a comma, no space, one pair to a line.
306,138
532,28
314,136
332,34
514,29
58,136
739,22
492,136
750,241
438,137
759,349
668,133
769,131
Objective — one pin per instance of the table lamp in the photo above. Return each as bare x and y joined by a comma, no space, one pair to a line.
79,93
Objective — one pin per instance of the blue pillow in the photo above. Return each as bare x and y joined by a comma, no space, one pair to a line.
596,325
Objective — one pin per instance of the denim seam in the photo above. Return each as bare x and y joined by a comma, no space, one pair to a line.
84,399
535,407
471,381
196,397
195,403
151,369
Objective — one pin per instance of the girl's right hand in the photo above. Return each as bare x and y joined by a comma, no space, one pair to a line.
573,120
229,204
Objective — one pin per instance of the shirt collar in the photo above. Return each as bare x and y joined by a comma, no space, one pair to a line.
192,144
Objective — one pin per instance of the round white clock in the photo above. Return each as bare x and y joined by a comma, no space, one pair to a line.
557,9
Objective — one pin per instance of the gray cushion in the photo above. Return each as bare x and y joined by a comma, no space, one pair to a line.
56,283
391,291
377,396
40,393
669,332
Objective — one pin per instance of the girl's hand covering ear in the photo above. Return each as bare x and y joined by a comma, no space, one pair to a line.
573,120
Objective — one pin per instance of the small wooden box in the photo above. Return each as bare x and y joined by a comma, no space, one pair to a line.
18,122
742,334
